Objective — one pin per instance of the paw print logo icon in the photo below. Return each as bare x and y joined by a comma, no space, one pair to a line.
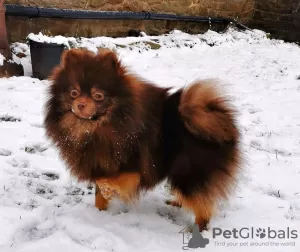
261,233
196,240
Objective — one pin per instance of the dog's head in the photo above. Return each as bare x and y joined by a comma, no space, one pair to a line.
91,86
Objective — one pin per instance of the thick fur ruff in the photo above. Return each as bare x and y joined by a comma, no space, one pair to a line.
145,135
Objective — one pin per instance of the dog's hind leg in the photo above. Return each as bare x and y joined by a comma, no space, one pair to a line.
201,205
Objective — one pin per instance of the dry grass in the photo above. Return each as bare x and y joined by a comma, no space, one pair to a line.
242,9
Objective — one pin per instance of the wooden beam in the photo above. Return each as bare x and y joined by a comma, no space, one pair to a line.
4,46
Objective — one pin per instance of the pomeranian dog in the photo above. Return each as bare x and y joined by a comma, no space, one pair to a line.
126,134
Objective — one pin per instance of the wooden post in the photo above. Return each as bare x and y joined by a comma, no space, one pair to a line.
4,46
9,68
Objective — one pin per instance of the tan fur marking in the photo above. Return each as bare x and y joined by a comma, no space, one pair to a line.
201,205
100,202
124,186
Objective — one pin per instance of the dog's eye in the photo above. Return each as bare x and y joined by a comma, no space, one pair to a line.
98,96
74,93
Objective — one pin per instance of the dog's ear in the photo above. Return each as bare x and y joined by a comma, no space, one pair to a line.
109,59
70,57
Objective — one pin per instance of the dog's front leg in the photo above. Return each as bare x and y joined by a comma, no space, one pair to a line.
100,202
123,186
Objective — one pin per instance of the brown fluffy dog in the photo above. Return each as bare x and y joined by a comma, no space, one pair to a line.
126,134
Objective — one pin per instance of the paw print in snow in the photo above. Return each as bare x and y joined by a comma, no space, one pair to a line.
261,233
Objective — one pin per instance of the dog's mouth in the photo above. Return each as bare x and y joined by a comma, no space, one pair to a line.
92,117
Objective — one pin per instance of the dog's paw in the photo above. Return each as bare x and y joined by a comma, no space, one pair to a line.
107,190
173,203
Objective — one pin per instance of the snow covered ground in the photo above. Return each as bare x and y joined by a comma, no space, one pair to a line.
42,208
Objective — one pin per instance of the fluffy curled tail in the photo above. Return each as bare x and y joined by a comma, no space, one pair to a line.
208,114
205,168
